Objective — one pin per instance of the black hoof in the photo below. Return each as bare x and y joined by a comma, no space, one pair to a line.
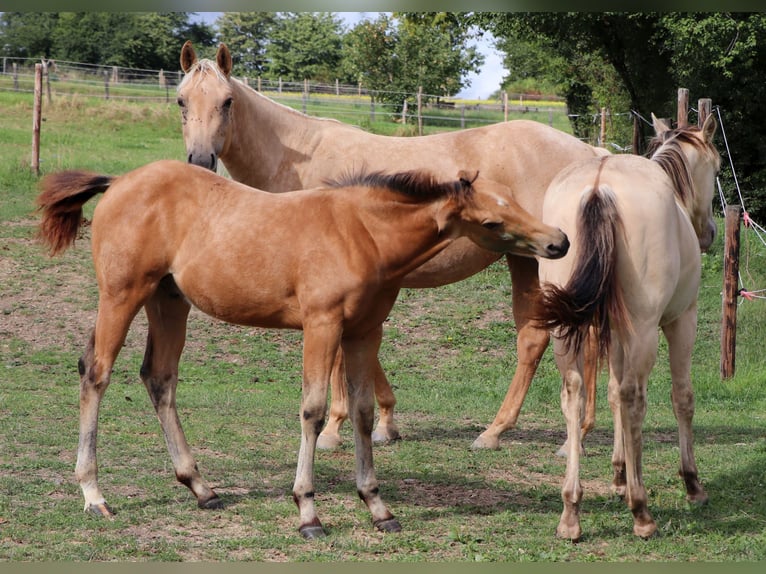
312,532
388,525
214,503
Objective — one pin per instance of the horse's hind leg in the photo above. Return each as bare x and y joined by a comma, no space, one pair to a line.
361,364
95,366
639,359
572,406
680,336
167,312
386,429
329,438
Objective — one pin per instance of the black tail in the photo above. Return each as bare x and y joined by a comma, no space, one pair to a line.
592,296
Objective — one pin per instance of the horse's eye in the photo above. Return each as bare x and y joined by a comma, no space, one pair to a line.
181,103
227,103
492,225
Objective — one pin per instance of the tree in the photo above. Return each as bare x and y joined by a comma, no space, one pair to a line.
27,34
593,47
716,55
395,56
247,35
305,45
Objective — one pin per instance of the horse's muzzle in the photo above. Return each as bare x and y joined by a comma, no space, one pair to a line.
208,161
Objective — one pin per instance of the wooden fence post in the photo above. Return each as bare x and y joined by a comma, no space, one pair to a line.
404,112
602,131
36,117
505,106
730,291
420,115
15,77
106,85
704,106
682,113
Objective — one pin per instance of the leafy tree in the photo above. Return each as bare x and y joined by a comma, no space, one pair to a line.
305,45
396,55
27,34
593,47
721,56
647,57
247,35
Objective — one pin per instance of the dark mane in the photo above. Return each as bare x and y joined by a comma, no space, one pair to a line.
417,185
665,149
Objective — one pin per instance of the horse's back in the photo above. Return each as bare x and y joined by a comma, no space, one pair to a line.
657,249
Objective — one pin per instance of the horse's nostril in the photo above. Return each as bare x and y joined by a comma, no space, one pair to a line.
189,159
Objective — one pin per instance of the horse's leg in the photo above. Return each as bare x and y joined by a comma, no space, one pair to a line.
361,364
618,449
329,438
572,406
386,429
167,312
531,343
95,367
590,374
638,362
321,343
680,336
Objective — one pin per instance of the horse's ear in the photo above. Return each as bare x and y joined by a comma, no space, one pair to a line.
467,177
223,59
188,56
660,127
709,127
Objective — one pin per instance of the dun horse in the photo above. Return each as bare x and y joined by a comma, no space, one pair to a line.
638,226
329,261
272,147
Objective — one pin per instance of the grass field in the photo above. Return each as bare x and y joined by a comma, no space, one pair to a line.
450,353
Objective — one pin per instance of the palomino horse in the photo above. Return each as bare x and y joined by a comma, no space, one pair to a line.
638,226
272,147
329,261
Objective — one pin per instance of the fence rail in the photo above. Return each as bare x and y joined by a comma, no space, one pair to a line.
314,98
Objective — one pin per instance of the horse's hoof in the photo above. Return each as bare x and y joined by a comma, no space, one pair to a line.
573,534
100,509
312,532
485,443
385,438
645,531
328,442
388,525
214,503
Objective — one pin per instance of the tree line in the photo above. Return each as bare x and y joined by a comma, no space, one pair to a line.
621,61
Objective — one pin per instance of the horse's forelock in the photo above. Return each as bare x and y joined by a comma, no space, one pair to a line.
199,70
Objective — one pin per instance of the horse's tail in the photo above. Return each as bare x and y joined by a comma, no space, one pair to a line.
61,198
592,296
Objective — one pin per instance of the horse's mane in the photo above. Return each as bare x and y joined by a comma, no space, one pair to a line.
416,184
665,149
206,66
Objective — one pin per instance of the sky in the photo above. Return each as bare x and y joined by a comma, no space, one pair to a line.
482,84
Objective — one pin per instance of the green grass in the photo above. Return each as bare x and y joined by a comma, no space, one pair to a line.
450,353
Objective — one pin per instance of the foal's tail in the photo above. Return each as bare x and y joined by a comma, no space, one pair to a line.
61,198
592,296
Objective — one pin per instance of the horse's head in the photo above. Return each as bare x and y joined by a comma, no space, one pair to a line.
702,164
491,218
205,98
